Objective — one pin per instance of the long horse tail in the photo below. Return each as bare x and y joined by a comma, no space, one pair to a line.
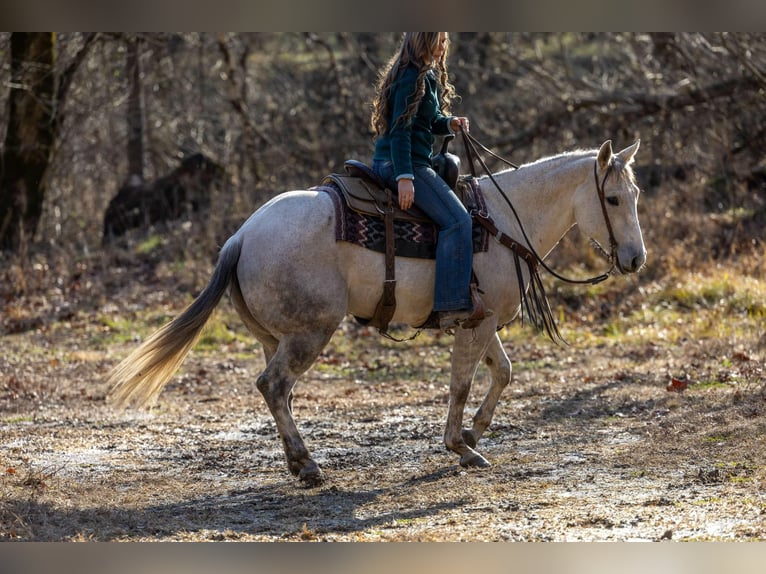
140,377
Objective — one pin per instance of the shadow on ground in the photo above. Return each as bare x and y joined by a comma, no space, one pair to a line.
275,511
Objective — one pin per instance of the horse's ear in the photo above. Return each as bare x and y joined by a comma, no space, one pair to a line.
605,155
626,155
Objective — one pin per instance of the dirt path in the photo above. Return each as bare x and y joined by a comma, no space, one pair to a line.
587,444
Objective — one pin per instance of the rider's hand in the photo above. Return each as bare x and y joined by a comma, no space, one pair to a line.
406,193
457,122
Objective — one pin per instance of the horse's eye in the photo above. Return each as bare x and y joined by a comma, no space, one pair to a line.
613,201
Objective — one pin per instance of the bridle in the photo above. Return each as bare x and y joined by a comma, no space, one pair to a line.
612,255
470,144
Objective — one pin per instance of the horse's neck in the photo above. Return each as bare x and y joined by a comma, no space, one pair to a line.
542,193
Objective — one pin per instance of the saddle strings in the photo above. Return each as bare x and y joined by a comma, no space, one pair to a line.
470,144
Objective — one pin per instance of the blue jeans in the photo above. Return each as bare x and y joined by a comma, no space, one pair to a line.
454,248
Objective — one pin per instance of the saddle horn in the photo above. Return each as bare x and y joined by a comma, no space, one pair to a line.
447,164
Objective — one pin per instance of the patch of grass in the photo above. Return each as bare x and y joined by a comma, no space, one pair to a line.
216,334
715,438
149,244
712,305
127,329
362,353
19,419
732,293
115,330
223,330
740,479
737,465
713,500
613,331
693,295
536,364
734,215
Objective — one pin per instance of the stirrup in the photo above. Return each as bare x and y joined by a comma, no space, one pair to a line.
480,311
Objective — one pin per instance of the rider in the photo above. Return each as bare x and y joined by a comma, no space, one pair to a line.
410,107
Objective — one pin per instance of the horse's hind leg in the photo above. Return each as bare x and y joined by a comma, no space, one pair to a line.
269,342
500,369
294,355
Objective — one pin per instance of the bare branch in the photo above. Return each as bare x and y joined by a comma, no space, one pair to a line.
632,106
732,44
236,92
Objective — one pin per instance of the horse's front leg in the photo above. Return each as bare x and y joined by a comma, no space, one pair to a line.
467,351
500,369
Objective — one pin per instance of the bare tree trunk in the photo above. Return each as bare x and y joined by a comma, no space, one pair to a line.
29,137
239,101
135,113
35,117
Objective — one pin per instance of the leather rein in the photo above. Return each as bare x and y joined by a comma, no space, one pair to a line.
528,252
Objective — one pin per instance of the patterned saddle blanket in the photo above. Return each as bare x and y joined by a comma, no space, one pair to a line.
413,236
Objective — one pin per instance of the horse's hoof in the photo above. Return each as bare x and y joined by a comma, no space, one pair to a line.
311,476
474,460
469,438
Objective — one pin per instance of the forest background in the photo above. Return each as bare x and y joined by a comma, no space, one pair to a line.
278,111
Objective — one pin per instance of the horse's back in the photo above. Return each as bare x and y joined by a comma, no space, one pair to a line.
290,218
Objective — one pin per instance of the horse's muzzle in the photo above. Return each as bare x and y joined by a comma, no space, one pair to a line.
632,262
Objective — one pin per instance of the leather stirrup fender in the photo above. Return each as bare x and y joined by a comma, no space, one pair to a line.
387,304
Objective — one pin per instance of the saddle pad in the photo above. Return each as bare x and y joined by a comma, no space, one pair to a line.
412,238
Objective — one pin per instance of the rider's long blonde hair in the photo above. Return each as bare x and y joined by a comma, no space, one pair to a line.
417,48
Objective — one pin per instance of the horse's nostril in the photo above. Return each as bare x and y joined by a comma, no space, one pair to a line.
631,265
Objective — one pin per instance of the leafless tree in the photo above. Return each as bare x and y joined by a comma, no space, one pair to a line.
34,115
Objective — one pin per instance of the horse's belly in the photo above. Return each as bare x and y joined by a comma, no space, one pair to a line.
365,274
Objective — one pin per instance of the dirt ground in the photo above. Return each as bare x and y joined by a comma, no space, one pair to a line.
655,436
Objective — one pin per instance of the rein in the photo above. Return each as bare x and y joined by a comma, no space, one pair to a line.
470,144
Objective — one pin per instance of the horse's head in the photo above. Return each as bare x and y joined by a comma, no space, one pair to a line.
606,209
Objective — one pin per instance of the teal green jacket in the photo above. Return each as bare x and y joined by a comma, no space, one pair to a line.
411,144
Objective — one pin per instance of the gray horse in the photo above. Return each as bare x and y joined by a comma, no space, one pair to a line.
292,284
